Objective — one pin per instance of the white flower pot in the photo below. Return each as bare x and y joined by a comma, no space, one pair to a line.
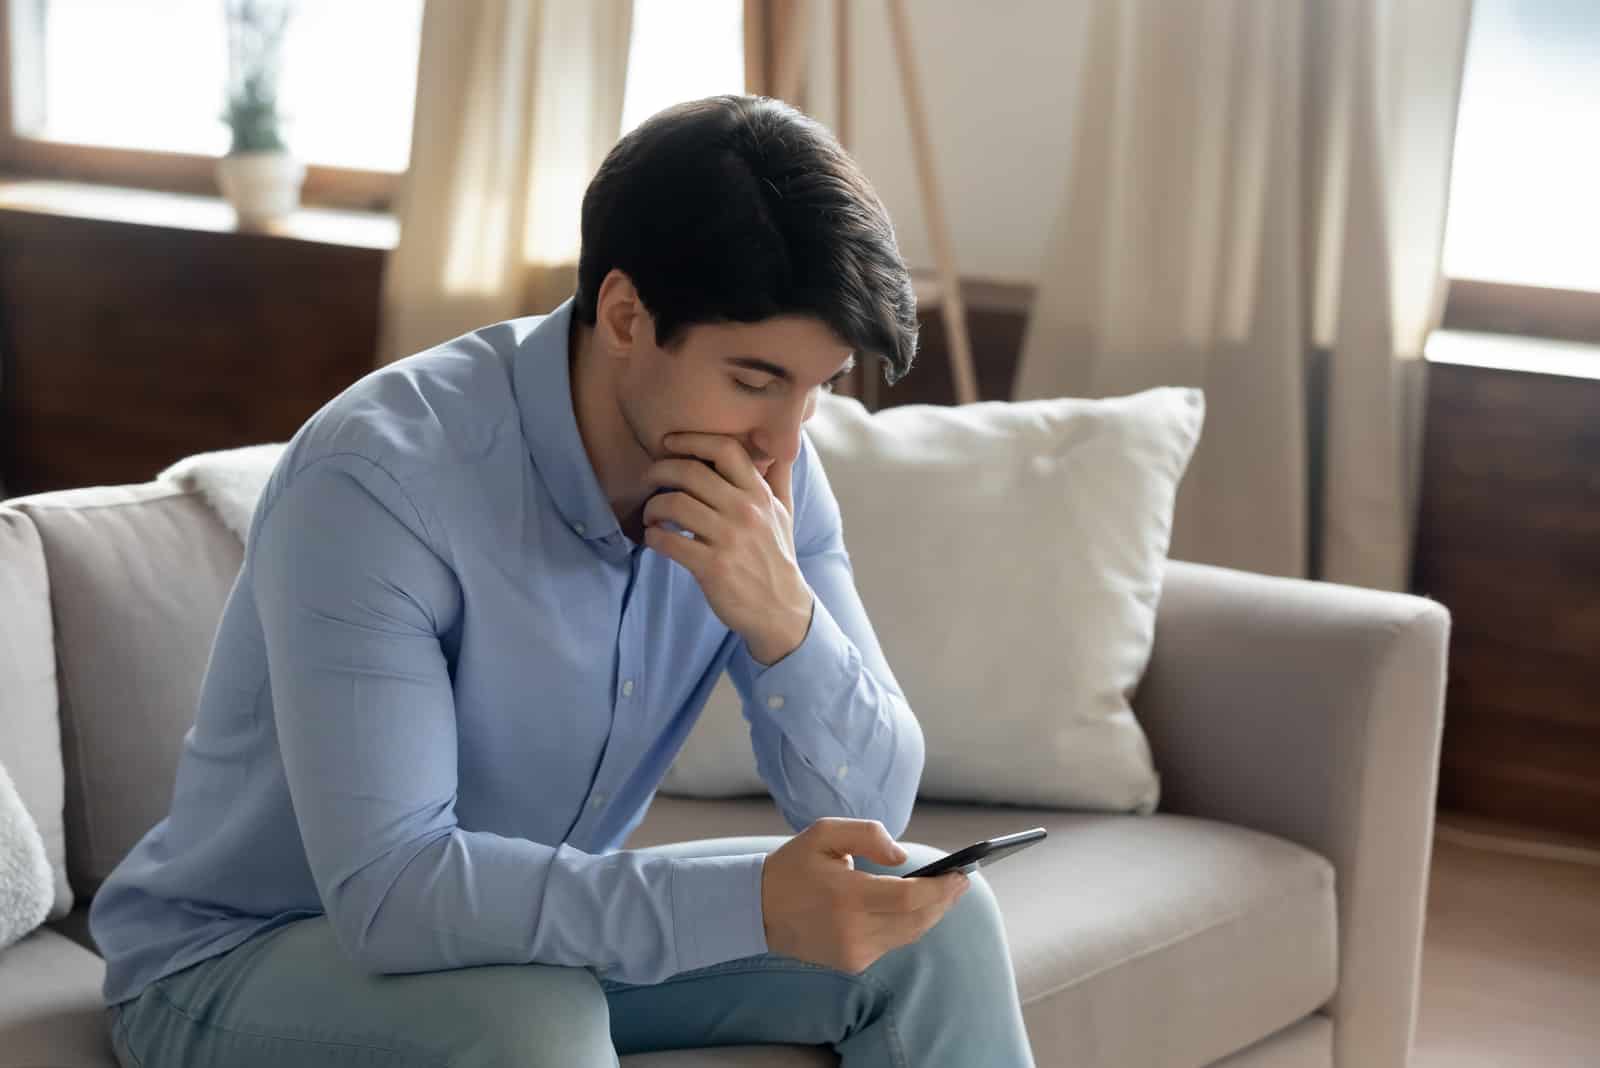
261,186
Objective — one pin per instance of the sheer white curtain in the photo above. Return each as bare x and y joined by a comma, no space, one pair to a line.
1256,206
518,102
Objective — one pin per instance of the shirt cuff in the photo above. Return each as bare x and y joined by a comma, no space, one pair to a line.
822,668
716,909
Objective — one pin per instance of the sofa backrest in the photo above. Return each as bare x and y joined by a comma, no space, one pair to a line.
137,579
30,738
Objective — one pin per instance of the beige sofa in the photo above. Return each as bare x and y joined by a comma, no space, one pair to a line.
1269,915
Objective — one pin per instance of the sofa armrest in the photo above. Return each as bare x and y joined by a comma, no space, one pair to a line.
1313,711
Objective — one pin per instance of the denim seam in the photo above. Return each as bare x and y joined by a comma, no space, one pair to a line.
120,1026
198,1022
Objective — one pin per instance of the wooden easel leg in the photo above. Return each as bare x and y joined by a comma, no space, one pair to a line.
951,302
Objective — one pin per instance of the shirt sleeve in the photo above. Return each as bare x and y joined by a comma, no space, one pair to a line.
352,600
833,733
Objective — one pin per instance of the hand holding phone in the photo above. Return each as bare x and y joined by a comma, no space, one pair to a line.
816,906
980,854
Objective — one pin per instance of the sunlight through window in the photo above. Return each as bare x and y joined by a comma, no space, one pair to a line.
1523,206
682,50
151,75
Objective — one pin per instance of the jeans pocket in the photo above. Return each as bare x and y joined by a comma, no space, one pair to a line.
117,1017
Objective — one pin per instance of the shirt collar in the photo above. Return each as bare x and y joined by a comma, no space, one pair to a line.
542,379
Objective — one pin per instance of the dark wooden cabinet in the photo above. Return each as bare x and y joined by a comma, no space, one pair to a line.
1509,540
130,345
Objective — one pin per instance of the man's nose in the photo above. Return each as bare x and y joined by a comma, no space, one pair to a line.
778,443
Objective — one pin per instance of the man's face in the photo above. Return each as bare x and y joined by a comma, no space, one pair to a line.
755,382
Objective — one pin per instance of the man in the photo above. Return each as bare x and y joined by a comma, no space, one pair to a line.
486,592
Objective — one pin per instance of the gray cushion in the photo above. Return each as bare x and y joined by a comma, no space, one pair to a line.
50,1008
1162,941
138,577
30,737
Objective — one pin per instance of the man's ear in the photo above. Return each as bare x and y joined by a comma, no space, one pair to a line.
620,315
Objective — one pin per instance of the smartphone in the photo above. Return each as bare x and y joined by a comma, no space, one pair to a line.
980,854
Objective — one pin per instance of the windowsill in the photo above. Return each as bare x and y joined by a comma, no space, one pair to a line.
1511,352
183,211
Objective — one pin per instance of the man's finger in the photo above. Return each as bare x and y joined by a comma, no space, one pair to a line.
688,512
921,921
902,928
696,478
891,893
780,476
868,838
732,462
688,552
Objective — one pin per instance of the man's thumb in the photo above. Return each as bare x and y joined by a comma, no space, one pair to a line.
862,838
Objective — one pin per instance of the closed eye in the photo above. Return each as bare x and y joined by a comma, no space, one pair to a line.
747,387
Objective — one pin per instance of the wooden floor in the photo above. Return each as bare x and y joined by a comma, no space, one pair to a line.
1511,957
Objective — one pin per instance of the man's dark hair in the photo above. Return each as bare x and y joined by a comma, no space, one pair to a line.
738,209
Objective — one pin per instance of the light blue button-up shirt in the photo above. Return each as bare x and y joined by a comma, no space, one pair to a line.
445,687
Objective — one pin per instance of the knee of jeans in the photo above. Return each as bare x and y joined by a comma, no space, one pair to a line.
543,1017
973,923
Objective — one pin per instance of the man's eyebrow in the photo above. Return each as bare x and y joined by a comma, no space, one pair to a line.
767,367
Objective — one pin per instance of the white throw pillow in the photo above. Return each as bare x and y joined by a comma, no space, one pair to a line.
1010,557
27,885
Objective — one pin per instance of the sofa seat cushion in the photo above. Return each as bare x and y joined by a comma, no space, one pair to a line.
50,1007
1160,940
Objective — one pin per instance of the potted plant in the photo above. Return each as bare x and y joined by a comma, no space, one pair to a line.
258,175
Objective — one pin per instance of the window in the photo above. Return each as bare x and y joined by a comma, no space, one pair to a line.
132,90
1524,218
682,50
129,91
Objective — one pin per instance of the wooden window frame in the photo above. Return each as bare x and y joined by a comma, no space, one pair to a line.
1532,311
176,172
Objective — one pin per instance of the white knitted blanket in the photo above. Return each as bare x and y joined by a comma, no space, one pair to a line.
231,481
27,886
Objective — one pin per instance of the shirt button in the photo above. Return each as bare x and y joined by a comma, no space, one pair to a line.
580,528
627,688
597,800
842,769
775,702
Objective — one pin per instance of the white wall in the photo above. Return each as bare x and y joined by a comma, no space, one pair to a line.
997,79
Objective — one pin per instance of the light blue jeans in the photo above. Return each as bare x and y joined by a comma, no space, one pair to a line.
290,998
